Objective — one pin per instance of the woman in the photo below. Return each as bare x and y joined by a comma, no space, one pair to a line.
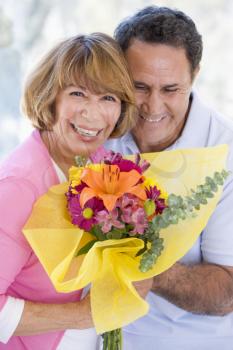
79,95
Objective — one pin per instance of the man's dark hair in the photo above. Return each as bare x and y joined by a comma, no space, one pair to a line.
162,25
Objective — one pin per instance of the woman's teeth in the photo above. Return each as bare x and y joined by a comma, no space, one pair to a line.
85,132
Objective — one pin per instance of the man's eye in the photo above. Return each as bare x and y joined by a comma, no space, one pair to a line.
77,93
109,98
140,87
171,90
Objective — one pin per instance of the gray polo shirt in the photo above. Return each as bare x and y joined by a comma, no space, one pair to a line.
166,326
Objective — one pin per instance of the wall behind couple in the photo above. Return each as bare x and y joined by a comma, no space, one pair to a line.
28,28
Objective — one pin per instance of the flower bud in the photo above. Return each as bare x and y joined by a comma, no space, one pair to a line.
149,207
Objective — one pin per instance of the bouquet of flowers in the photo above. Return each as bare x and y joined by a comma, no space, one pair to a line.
118,221
114,200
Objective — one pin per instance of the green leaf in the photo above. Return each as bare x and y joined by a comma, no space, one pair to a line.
143,250
178,209
86,248
80,161
98,233
174,201
114,234
129,227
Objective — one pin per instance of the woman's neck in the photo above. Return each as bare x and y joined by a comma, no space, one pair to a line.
64,162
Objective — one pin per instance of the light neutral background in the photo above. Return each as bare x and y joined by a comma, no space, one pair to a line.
28,28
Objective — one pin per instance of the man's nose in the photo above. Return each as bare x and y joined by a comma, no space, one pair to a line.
155,103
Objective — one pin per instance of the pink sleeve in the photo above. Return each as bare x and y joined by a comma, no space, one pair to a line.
16,200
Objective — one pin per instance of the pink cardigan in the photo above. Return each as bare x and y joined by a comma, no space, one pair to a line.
24,176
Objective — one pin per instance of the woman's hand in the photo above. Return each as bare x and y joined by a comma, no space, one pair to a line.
40,318
84,318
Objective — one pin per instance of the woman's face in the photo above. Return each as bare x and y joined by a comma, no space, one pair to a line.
84,120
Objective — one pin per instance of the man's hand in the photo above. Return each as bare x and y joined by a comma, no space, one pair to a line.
143,287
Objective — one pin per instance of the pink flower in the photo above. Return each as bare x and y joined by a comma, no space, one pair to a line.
132,213
128,203
107,220
99,155
139,220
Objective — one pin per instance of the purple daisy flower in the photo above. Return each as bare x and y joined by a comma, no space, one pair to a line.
85,217
154,193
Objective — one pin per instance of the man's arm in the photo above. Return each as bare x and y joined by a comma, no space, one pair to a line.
202,289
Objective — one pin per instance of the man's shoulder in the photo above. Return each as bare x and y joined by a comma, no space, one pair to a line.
124,144
215,117
205,127
222,121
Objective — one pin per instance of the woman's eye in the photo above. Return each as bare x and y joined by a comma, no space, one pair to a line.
109,98
77,93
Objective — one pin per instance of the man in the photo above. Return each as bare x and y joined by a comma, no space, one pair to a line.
191,304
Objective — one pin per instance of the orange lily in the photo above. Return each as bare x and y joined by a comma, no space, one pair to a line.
110,184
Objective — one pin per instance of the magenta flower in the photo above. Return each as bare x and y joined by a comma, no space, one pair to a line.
124,165
85,217
78,188
107,220
154,193
113,158
142,163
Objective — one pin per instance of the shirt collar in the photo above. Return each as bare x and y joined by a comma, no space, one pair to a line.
196,127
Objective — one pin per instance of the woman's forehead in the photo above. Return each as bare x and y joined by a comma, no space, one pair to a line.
94,86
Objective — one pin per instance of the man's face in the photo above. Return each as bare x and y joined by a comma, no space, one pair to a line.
163,82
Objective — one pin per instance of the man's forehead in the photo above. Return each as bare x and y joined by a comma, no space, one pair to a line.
158,63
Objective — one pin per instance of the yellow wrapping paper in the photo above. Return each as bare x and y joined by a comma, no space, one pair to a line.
111,266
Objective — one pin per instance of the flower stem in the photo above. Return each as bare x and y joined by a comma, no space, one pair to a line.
112,340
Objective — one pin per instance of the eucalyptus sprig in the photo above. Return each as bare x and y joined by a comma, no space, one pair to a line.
178,208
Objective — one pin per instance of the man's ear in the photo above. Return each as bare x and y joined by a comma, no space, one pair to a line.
195,73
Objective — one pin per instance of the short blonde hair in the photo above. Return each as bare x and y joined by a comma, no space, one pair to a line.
95,61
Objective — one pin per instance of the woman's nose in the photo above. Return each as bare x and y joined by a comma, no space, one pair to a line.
89,111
